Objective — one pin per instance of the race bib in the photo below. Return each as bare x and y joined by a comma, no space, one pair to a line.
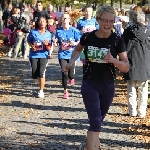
89,28
96,54
39,46
66,46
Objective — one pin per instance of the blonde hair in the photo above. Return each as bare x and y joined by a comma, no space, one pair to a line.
105,9
60,19
74,15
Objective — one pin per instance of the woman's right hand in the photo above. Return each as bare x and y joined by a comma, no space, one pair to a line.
34,48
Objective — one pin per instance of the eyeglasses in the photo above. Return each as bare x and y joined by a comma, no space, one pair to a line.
106,21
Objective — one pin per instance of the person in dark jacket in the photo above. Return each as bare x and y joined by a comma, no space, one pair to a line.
21,5
138,50
24,23
7,14
13,25
39,13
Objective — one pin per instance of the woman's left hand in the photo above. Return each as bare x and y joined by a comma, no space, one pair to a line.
72,43
66,68
46,42
108,57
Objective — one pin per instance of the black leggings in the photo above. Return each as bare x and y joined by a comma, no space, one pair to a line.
38,67
70,73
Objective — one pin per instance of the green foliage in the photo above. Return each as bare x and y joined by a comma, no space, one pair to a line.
97,2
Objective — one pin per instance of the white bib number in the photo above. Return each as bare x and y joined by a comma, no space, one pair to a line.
39,46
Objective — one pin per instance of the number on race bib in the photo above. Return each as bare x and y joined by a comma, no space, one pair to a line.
89,28
66,46
39,46
96,54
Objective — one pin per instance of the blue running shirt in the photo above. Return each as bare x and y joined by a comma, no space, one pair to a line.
64,38
88,25
36,37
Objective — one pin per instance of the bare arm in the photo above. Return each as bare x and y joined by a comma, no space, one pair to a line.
32,46
76,53
122,64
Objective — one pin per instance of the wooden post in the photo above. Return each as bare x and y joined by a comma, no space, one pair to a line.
1,21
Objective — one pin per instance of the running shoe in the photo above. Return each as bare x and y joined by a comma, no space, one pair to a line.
82,147
9,54
66,95
141,115
41,94
71,82
133,114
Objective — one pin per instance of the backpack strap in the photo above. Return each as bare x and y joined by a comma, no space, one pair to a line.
118,36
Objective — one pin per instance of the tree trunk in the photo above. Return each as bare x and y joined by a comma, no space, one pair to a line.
120,4
144,2
103,1
2,4
133,1
112,3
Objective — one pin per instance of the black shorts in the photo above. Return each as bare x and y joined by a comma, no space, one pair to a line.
38,67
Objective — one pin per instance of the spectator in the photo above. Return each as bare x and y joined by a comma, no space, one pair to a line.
59,12
39,13
13,25
146,10
67,7
24,24
52,14
7,14
138,50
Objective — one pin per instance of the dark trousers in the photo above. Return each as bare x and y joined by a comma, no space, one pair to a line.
69,74
97,98
38,67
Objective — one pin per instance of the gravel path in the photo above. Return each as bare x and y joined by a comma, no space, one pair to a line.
52,123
